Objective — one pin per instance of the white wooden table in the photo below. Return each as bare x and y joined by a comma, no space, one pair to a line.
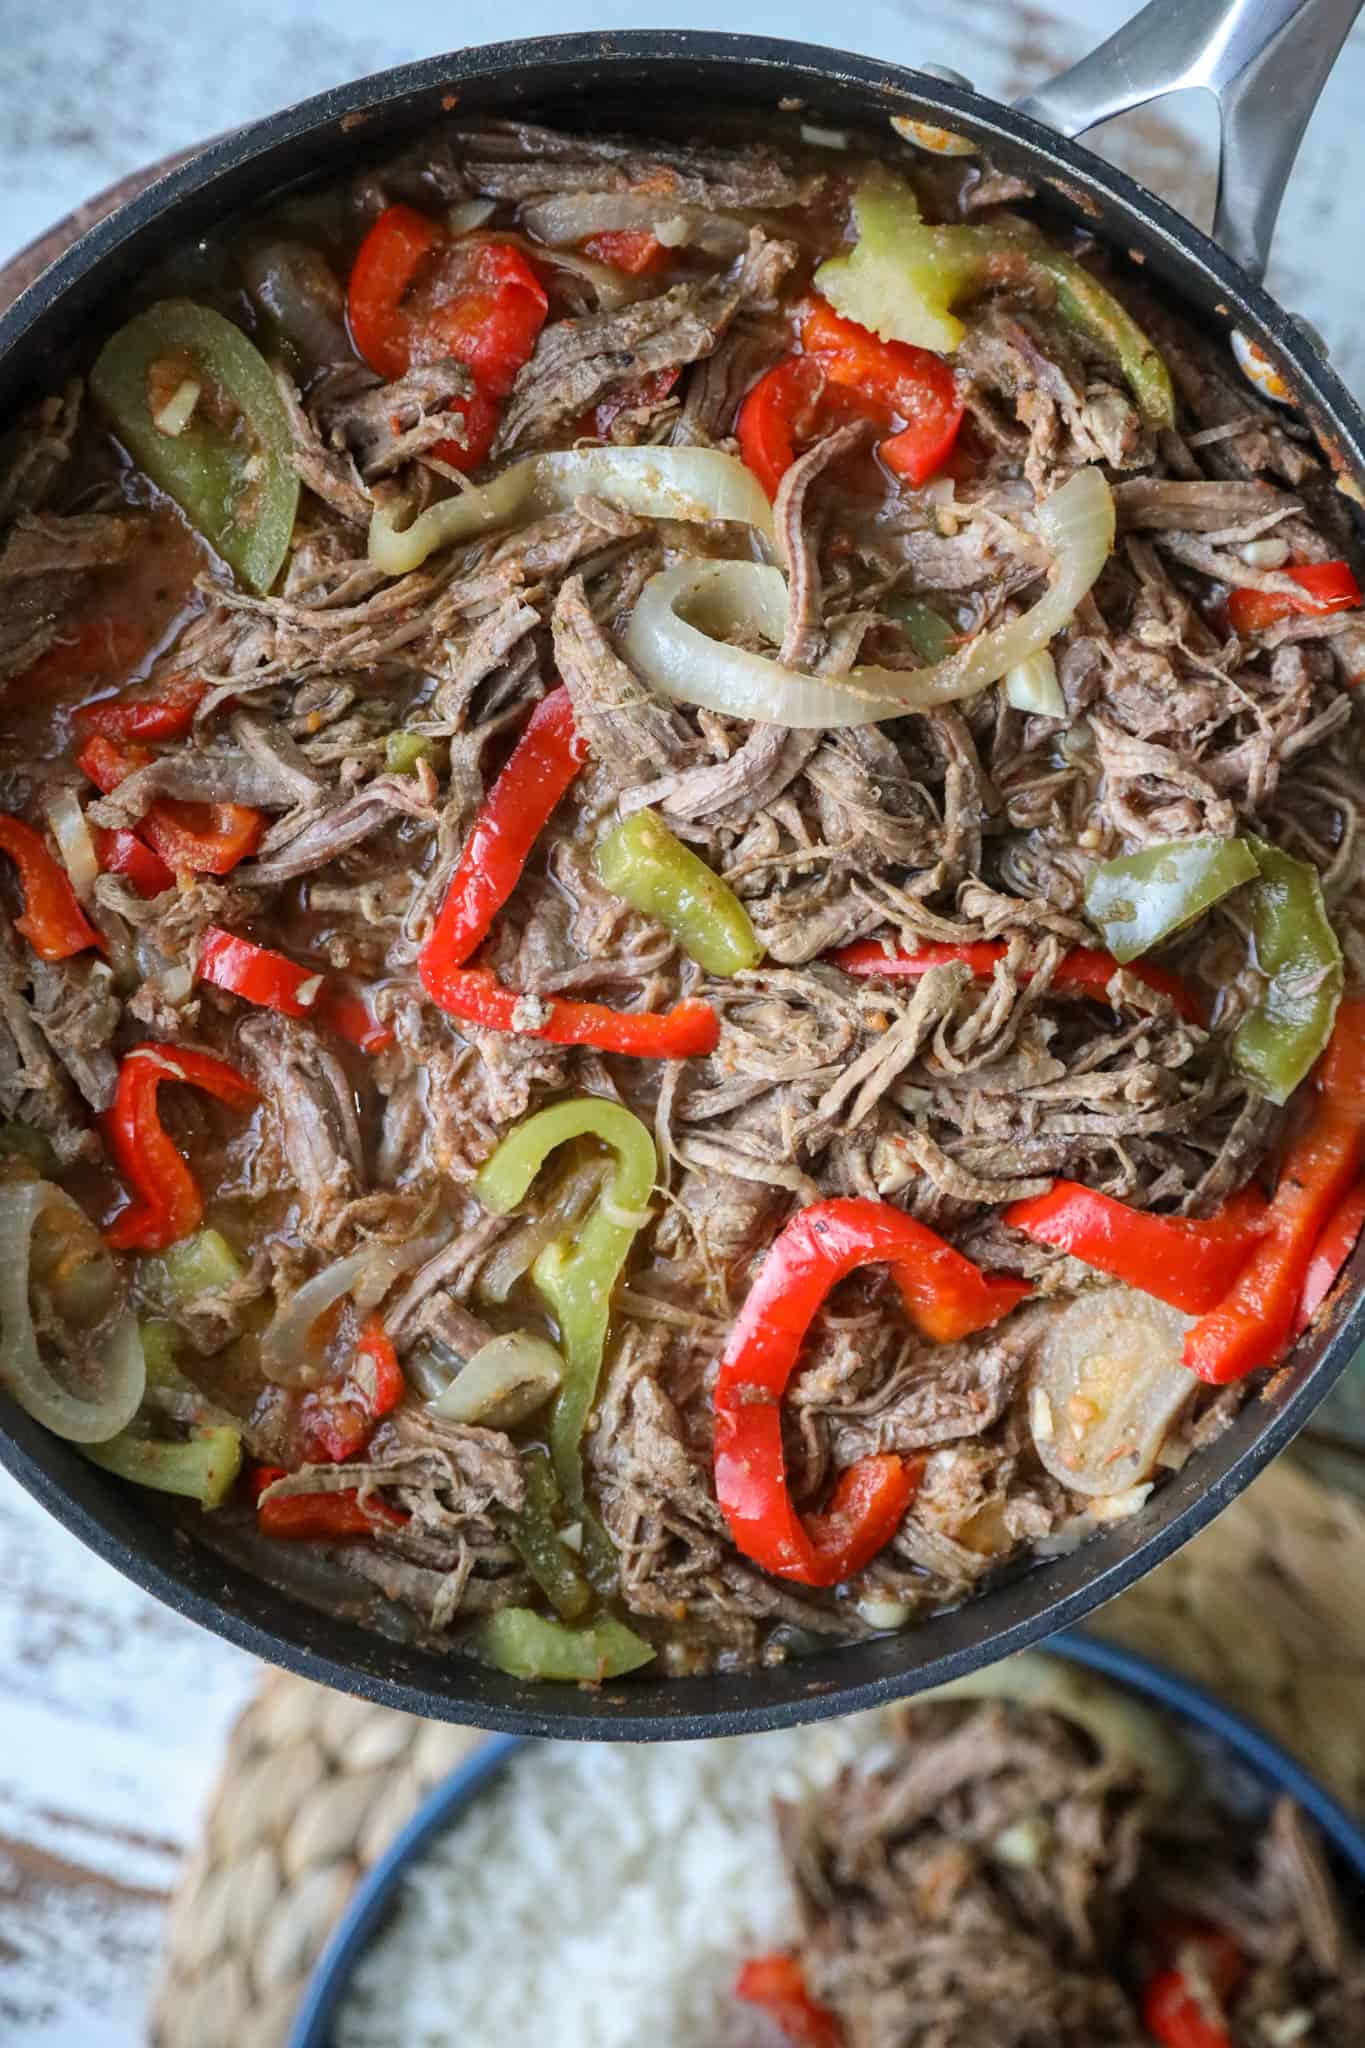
112,1710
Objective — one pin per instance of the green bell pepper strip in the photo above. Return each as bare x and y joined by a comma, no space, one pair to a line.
928,632
1296,948
403,750
1138,900
576,1275
202,1264
546,1558
644,862
235,482
1084,305
528,1645
903,279
158,1350
204,1468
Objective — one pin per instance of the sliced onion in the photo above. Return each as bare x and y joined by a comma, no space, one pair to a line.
299,289
74,843
426,1372
388,1262
1107,1387
675,635
1023,1844
366,1275
518,1252
119,1374
1122,1726
823,138
659,483
675,639
176,984
1032,685
506,1380
470,214
925,135
176,414
613,288
881,1611
573,216
1265,554
285,1348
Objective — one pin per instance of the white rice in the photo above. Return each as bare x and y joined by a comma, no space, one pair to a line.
598,1897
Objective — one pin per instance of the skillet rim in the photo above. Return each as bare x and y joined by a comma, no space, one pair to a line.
280,1627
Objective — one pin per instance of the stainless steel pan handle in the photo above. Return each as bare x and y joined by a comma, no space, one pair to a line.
1264,61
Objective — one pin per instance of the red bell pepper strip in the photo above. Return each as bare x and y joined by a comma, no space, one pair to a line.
207,839
167,716
543,763
1173,2011
651,390
689,1030
1327,587
258,974
53,922
98,650
633,250
780,409
914,383
335,1423
1084,969
108,762
490,324
1190,1264
262,976
348,1014
319,1517
946,1297
122,853
386,264
167,1204
511,818
490,309
1330,1254
480,416
864,1511
1173,2016
486,308
1254,1322
787,406
777,1983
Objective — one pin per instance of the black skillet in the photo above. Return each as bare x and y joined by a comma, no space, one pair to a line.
1266,60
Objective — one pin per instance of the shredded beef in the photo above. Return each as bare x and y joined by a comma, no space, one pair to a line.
367,719
625,725
35,1086
314,1104
514,159
390,424
328,473
577,361
990,1875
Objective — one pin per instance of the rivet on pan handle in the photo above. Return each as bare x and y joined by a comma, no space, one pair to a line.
1264,61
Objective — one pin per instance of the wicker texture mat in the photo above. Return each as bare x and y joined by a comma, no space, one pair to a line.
1264,1608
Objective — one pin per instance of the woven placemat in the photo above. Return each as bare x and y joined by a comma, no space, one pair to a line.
1264,1607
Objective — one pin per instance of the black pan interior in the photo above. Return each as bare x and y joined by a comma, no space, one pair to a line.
627,80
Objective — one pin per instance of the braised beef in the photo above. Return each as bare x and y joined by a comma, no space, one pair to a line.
993,1876
349,725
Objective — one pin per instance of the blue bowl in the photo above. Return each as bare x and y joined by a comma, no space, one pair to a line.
1249,1757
